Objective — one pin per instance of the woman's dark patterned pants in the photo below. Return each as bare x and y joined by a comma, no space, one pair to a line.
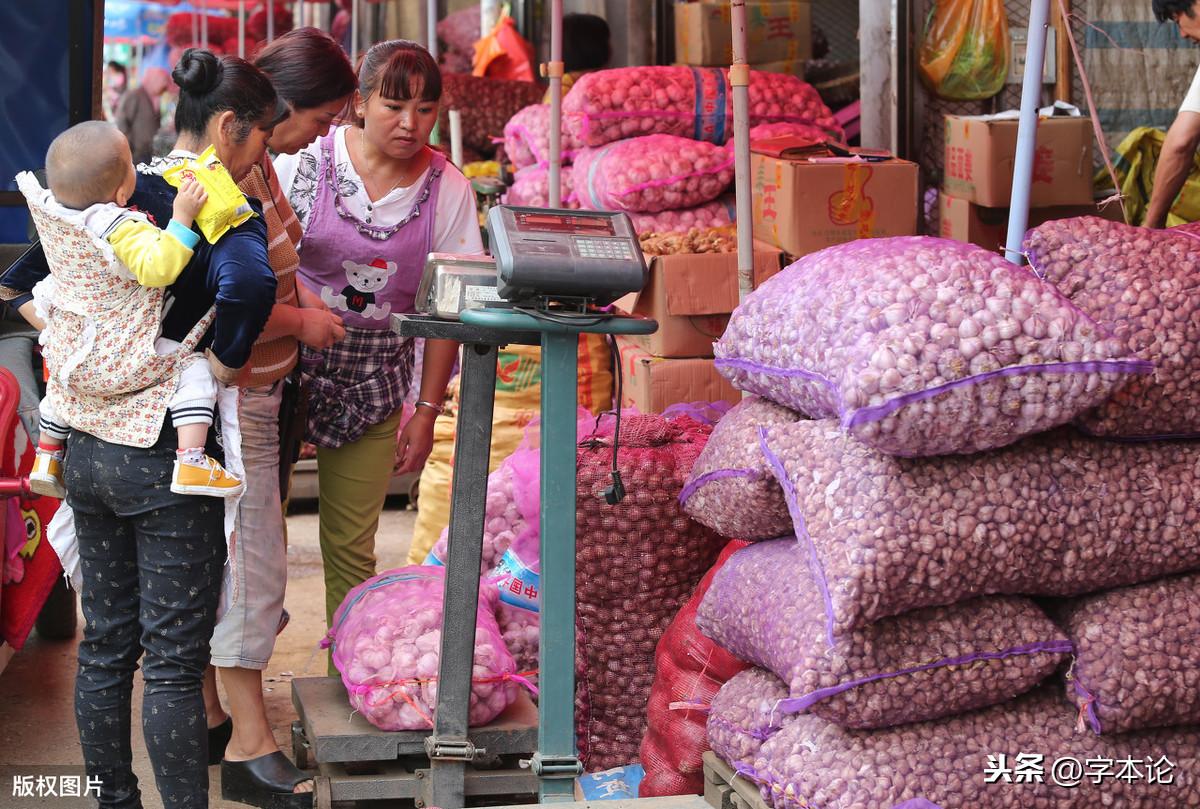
152,563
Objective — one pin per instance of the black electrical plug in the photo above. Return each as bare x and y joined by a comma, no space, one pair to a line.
616,492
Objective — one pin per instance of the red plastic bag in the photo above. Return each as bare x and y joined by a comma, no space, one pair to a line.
690,669
504,54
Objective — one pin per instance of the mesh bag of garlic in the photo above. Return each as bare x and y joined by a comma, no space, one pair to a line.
689,670
922,346
652,173
1137,659
1144,286
922,665
531,187
696,103
636,564
731,488
745,714
386,639
517,579
988,759
1059,514
716,214
527,138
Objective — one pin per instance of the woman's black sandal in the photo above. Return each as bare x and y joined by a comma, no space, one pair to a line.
266,782
218,740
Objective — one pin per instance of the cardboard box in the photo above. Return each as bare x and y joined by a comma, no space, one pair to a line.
652,384
691,296
802,206
789,67
965,221
776,31
980,152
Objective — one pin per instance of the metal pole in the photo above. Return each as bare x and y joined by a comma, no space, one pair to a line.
489,12
472,447
554,70
242,28
1031,99
431,21
354,8
555,763
204,22
739,79
456,146
270,21
298,14
195,26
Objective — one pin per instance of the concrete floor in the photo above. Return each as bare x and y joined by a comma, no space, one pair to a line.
37,721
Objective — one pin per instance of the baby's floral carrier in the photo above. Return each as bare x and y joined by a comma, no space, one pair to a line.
106,378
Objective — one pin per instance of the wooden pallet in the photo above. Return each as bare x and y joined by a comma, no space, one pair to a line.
725,789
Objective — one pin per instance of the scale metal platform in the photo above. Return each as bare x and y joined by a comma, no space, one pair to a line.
357,761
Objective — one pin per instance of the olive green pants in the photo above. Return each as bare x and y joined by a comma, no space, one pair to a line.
353,481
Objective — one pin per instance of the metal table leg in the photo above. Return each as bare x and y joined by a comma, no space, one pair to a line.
449,748
555,763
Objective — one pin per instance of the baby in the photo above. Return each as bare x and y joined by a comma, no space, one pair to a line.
91,176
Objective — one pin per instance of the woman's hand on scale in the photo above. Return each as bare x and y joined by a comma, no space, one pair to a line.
415,441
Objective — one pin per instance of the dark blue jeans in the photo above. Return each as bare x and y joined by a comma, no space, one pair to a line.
152,563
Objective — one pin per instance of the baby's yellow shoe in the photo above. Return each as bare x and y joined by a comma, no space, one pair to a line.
46,476
209,478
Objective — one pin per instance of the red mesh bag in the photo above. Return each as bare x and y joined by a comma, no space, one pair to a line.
690,669
637,563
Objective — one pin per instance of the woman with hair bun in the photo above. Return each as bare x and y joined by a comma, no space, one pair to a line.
152,561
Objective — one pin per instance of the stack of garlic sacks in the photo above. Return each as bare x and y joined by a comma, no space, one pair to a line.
655,142
935,437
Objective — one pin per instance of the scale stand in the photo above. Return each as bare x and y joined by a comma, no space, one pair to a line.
482,332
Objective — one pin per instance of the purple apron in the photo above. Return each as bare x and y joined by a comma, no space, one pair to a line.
365,274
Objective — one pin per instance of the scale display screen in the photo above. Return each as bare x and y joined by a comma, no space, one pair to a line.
559,254
573,224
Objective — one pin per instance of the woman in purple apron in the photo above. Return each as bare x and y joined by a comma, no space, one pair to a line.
374,201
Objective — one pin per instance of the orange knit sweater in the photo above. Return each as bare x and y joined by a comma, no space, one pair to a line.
272,360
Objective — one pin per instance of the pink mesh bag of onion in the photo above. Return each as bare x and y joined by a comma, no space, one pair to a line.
386,641
914,667
922,346
691,102
651,173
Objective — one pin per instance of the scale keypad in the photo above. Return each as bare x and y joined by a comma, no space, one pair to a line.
617,249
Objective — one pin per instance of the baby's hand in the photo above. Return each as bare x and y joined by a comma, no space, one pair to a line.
188,202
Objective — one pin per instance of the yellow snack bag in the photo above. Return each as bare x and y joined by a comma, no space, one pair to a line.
226,207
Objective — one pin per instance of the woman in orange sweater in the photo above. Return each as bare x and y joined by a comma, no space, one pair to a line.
312,74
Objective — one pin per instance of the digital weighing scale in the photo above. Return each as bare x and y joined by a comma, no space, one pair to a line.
543,257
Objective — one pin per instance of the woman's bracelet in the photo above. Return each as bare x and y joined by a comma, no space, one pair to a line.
437,408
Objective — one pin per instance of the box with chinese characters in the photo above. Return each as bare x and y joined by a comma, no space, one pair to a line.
981,152
806,200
